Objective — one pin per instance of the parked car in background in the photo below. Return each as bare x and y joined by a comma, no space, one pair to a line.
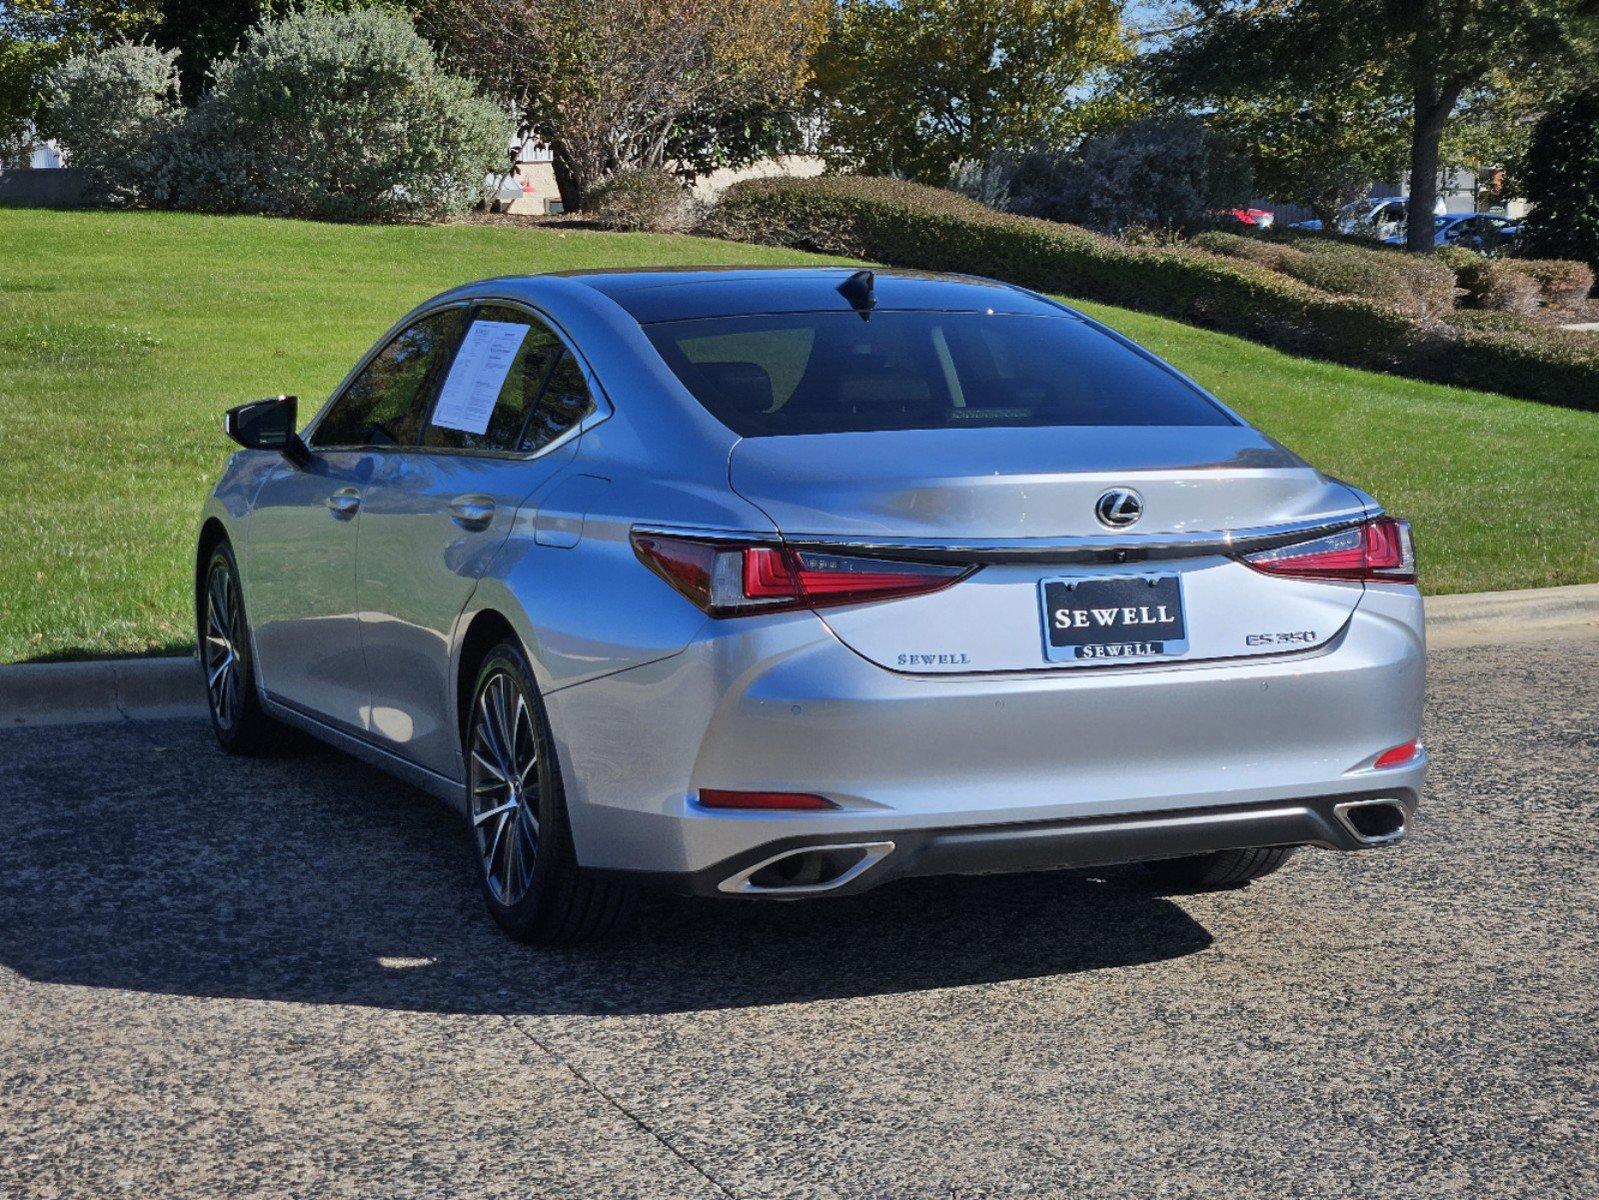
1254,218
1485,233
789,582
1380,217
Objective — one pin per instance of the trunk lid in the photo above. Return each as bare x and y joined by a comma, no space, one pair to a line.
1021,503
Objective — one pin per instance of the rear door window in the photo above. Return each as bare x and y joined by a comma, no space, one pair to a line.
835,372
512,387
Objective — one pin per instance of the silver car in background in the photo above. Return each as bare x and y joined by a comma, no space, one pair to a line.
791,582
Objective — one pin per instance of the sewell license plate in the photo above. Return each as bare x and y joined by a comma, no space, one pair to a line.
1112,619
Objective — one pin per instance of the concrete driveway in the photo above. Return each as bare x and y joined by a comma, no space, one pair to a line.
227,978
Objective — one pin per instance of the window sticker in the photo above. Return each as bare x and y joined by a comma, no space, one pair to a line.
473,385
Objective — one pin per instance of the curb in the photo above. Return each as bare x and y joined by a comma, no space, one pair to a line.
108,690
153,688
1492,618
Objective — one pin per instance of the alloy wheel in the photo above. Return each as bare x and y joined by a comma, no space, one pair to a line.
224,627
503,778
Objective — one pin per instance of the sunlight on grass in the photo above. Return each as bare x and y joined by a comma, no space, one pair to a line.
123,336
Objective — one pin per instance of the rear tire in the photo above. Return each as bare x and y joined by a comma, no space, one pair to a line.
1219,869
516,815
223,629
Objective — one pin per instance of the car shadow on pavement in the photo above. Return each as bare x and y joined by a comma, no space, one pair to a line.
140,857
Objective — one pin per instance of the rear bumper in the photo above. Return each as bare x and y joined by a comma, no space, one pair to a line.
1018,762
1047,845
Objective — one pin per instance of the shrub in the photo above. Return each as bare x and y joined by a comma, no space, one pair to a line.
909,225
1560,175
1149,174
1415,285
108,108
1496,283
1166,172
988,182
638,199
1271,255
343,116
1517,284
1538,362
1560,280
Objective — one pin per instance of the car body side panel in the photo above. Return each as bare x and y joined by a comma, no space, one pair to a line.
300,588
417,567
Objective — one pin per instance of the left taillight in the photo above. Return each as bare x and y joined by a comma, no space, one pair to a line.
1378,551
733,578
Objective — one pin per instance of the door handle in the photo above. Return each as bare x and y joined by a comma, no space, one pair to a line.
345,502
472,512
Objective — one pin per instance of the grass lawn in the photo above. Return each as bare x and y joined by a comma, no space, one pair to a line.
124,335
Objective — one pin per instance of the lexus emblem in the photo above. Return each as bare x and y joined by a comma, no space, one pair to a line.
1119,508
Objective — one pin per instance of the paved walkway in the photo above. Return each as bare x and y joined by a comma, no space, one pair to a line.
227,978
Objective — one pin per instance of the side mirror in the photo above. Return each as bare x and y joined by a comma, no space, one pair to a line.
267,425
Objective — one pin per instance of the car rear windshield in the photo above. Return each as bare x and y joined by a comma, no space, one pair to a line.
839,372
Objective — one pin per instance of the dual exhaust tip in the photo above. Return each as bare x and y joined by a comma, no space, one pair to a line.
807,871
1374,822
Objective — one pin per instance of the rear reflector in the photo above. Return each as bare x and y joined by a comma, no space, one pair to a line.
1378,551
732,578
791,801
1399,754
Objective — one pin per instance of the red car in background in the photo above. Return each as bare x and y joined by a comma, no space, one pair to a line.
1255,218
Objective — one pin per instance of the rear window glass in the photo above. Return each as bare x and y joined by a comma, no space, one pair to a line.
837,373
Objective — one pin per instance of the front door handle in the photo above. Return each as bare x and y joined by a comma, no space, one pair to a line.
345,502
472,512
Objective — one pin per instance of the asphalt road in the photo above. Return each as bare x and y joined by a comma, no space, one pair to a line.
226,978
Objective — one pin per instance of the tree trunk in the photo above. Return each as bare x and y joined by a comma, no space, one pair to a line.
566,181
1432,114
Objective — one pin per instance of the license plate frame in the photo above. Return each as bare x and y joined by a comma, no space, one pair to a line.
1104,616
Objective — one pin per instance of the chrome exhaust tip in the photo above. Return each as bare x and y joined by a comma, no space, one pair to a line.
1375,822
807,871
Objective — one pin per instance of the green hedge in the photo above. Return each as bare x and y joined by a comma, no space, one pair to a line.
1415,285
1517,284
910,225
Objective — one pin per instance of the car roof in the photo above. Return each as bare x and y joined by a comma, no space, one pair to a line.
652,294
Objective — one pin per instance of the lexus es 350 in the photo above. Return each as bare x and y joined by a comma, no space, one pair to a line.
788,583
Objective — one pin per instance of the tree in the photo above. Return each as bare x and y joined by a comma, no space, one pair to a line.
1560,175
912,87
1427,54
35,35
616,84
203,31
1323,149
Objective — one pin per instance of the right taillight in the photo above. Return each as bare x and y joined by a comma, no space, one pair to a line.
733,578
1379,551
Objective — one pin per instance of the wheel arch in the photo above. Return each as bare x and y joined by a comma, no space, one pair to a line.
212,534
485,629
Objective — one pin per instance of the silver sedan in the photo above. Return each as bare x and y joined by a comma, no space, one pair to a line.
787,583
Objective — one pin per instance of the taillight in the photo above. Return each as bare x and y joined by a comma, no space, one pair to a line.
730,578
1380,551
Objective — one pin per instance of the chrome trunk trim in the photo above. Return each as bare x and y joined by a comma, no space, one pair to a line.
1088,548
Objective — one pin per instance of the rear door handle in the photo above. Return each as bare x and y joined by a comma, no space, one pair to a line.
345,502
472,512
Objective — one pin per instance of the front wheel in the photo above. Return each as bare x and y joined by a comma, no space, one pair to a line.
1219,869
532,883
240,724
